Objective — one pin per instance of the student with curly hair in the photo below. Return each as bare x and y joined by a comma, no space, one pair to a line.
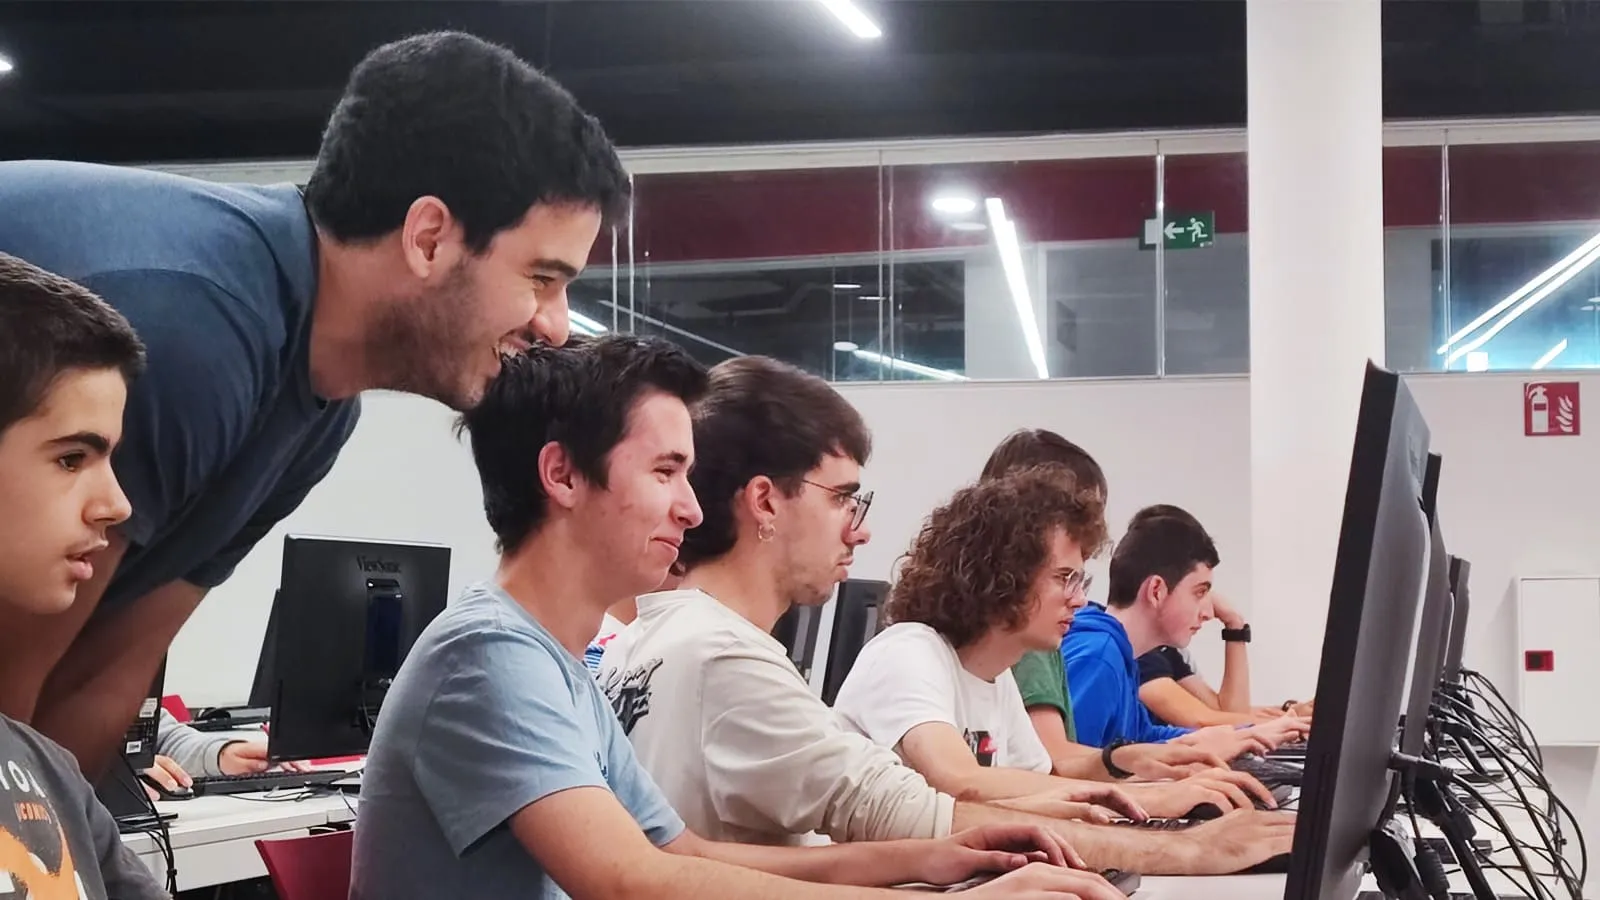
994,573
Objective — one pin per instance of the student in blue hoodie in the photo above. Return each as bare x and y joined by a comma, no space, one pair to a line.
1159,595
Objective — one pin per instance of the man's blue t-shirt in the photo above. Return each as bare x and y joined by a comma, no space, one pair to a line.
488,714
223,435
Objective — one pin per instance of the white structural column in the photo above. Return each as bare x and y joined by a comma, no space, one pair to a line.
1316,307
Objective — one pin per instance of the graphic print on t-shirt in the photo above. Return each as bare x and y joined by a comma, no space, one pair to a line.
629,692
35,858
982,745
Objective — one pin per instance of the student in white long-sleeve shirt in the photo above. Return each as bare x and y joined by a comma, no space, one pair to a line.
714,708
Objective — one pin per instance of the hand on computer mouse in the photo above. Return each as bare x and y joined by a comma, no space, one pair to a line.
1041,881
1233,843
988,849
1175,799
168,776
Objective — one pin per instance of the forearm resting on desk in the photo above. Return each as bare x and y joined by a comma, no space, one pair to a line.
595,851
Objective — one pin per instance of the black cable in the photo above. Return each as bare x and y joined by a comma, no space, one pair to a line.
158,831
1554,844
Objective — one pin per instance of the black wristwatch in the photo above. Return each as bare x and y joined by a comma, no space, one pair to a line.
1237,635
1111,767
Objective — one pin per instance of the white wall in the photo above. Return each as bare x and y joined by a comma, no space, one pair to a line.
1510,504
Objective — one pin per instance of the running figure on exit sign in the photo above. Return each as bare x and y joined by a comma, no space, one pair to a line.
1550,408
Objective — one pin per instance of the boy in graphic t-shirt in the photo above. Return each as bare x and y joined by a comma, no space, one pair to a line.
66,359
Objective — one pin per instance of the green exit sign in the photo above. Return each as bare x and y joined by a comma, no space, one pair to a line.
1182,231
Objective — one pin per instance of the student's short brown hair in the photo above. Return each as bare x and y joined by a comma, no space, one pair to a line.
970,569
1167,546
1038,447
1163,511
50,326
760,416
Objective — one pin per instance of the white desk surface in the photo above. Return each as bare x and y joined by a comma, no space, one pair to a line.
213,838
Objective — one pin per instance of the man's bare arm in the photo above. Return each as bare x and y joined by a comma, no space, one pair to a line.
1235,842
32,645
1070,760
1234,693
937,751
94,691
595,851
1177,706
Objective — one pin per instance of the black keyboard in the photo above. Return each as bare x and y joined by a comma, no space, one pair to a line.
267,781
1270,772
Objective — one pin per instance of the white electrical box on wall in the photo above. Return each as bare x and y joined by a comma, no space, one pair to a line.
1558,658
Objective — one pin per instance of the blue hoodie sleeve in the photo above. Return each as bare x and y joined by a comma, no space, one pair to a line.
1097,689
1151,733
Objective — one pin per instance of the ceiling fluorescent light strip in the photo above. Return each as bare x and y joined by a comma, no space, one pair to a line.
907,366
1550,287
854,19
1550,355
1571,259
1005,240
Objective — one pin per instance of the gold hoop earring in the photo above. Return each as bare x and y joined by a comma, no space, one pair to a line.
765,532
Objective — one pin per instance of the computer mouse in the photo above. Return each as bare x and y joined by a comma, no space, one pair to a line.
165,793
1205,811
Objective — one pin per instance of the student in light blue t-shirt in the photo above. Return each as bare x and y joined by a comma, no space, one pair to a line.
498,769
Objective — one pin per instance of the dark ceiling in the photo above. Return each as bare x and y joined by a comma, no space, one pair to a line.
144,81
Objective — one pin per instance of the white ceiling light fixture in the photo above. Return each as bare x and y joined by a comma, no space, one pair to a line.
1005,240
846,346
1574,260
1533,299
5,65
846,286
902,365
1550,355
859,23
954,205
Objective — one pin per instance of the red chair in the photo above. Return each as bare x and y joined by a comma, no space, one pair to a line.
316,867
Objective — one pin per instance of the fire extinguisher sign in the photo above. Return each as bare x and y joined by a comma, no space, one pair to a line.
1550,409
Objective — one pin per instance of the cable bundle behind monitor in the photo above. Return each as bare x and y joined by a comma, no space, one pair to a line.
1472,720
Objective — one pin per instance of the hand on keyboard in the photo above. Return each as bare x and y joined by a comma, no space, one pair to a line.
1040,881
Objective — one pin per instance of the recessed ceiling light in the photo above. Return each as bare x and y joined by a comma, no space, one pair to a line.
955,205
846,286
846,346
870,297
854,19
5,65
969,226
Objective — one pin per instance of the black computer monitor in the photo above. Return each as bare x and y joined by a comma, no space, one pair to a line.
346,615
856,619
1377,581
1460,572
264,684
797,632
1433,628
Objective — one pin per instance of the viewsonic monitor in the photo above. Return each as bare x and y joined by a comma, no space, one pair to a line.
346,615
